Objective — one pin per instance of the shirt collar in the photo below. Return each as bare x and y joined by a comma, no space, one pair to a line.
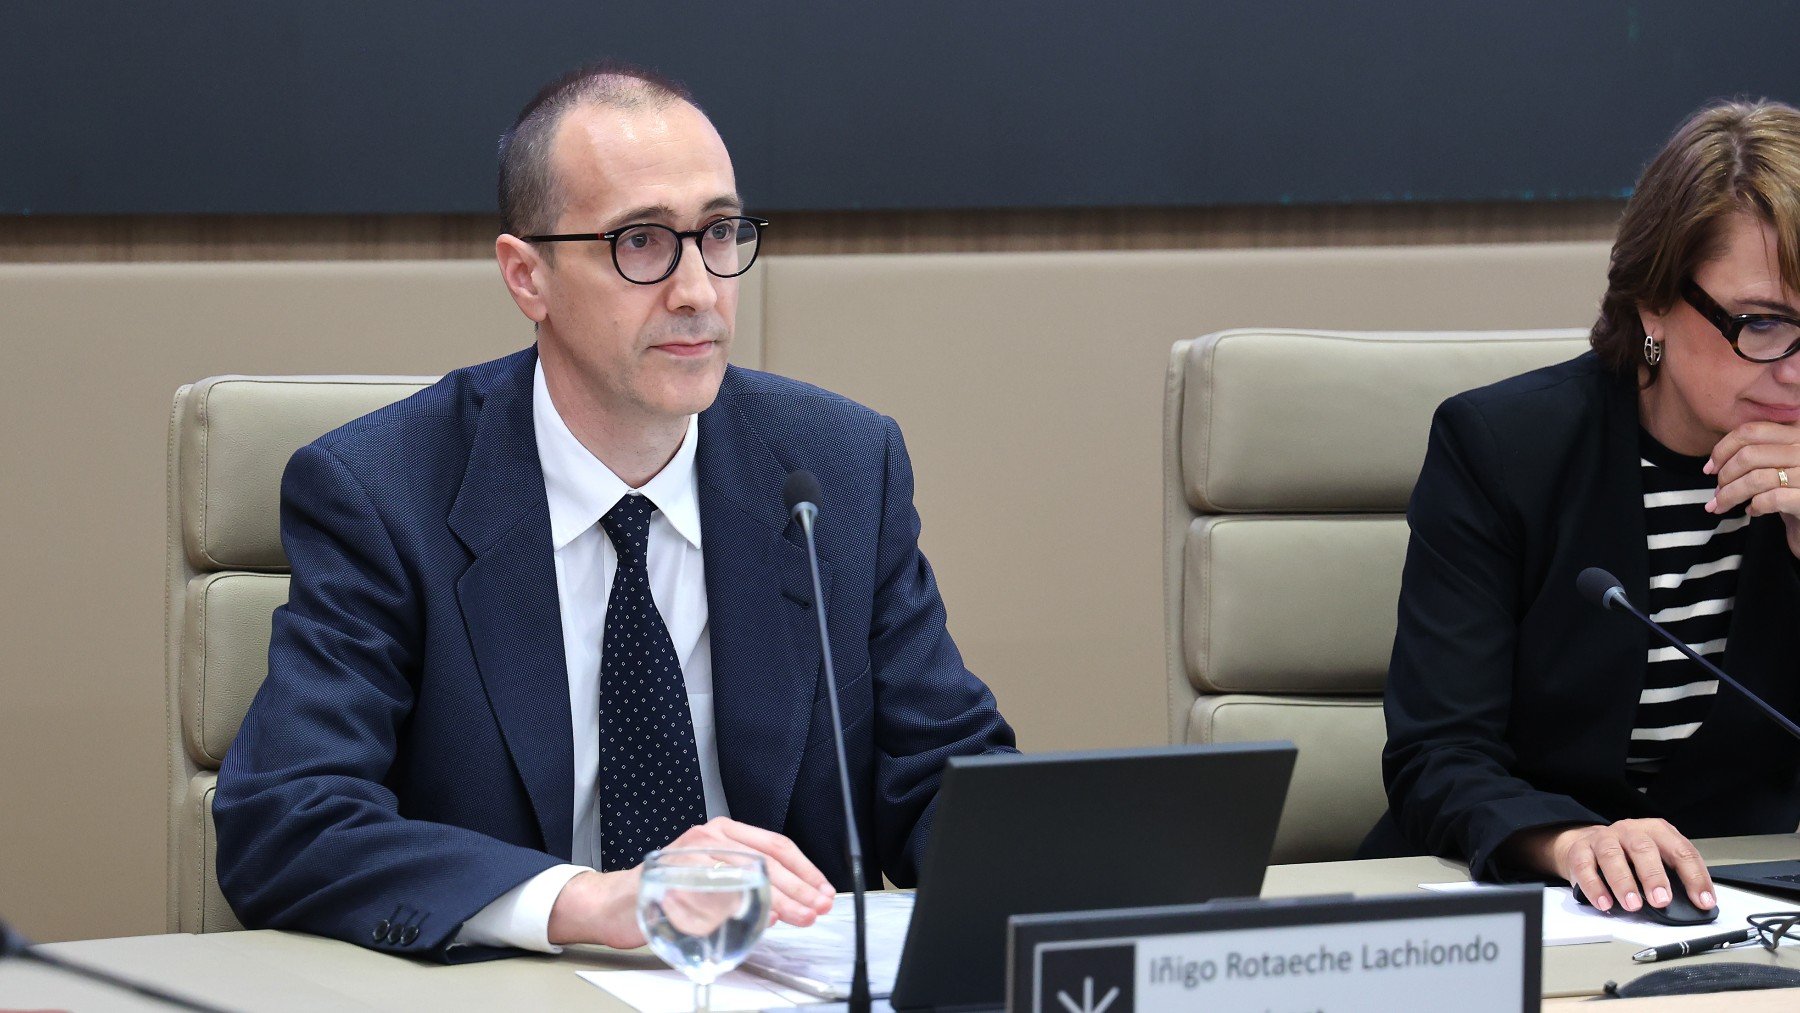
581,489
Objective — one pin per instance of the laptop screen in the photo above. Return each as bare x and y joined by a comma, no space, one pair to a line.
1027,834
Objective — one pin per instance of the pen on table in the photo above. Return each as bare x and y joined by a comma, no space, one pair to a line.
1689,947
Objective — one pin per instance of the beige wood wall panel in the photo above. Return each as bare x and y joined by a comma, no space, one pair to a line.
1029,388
421,237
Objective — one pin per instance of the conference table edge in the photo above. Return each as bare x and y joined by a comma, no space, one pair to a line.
313,970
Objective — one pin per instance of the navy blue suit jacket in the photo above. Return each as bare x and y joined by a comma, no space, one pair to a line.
409,757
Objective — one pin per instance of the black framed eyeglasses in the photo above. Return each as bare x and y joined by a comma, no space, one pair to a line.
1758,337
645,254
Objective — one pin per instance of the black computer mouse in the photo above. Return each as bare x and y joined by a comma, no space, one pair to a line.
1680,911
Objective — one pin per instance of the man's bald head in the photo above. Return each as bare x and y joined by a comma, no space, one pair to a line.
530,199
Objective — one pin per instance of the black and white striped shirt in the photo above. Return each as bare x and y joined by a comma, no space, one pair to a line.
1694,559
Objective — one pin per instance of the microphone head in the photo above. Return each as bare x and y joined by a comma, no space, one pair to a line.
1597,586
801,487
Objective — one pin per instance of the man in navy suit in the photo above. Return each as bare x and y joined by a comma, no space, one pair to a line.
550,613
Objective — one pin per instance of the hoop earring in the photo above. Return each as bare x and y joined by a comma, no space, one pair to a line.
1652,350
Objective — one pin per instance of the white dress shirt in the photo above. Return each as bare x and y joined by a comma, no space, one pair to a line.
581,490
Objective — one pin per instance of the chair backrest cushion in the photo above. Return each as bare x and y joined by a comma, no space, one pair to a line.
1336,792
1285,421
237,433
1290,604
230,439
1288,458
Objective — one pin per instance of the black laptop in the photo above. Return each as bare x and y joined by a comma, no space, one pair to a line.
1780,877
1022,834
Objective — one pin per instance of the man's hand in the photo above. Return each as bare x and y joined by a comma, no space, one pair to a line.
601,907
1625,861
1750,462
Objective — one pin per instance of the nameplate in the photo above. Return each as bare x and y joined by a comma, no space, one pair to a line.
1471,952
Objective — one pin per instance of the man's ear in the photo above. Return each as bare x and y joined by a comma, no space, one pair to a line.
522,268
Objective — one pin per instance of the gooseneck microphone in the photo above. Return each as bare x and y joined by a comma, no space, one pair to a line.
12,944
1605,590
801,494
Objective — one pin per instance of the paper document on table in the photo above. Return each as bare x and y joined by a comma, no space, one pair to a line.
666,990
817,959
1558,929
1567,920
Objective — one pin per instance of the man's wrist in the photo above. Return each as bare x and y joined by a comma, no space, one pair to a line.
1558,840
1556,850
1543,849
597,907
520,917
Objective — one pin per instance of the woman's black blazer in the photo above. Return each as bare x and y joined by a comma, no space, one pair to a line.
1510,699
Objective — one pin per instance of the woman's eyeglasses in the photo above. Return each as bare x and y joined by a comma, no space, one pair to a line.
1758,337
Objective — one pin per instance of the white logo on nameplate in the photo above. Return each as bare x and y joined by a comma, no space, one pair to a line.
1087,999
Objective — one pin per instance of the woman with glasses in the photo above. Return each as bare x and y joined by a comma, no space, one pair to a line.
1530,733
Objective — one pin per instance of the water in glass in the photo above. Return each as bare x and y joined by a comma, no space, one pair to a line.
703,911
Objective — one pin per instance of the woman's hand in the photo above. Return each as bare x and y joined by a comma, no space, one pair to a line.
1750,463
1625,860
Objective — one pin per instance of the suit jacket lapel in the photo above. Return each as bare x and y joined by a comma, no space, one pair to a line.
765,649
1613,530
1760,649
509,601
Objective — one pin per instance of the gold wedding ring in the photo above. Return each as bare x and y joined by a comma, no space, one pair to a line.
1781,476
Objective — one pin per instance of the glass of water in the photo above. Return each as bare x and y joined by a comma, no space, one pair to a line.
703,909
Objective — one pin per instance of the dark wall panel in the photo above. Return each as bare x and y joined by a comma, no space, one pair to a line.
340,107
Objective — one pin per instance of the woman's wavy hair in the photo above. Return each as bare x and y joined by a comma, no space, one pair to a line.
1727,159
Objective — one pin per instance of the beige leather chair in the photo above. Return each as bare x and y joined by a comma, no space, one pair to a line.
1288,457
229,439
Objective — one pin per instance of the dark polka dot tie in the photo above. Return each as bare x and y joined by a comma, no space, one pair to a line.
649,772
